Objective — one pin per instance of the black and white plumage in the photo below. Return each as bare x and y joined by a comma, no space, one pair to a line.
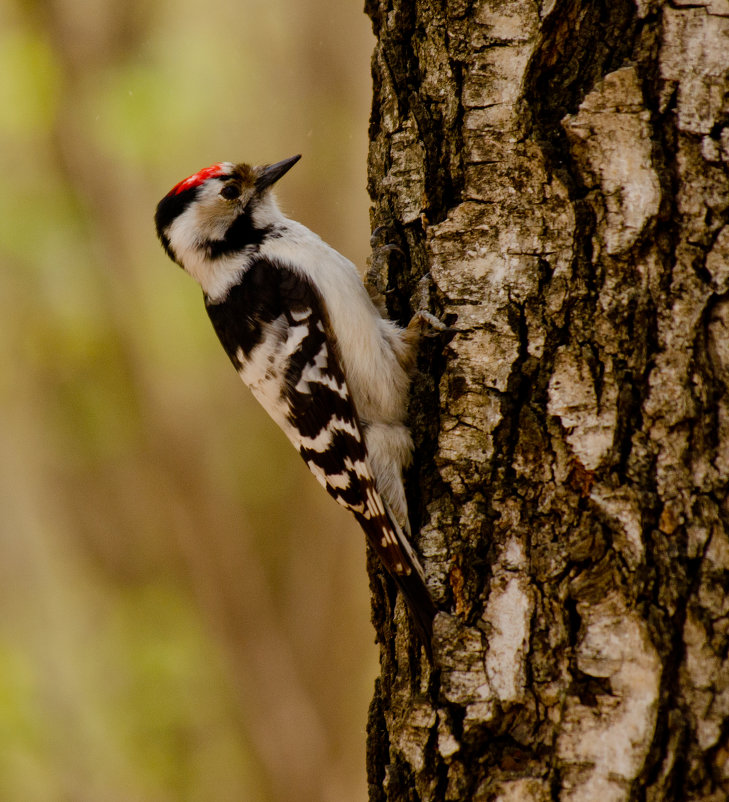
302,332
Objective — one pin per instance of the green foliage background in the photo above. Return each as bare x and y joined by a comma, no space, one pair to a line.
183,612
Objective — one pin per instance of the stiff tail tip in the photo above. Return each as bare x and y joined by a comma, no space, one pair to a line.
421,607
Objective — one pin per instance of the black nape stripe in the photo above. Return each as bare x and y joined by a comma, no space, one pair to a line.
171,207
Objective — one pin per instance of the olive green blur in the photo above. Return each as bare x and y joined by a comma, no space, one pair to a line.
184,612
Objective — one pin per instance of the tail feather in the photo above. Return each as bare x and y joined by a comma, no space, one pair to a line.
421,606
403,565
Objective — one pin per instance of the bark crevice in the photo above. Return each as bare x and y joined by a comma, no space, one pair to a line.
560,170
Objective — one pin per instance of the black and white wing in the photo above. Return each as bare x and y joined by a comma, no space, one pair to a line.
274,327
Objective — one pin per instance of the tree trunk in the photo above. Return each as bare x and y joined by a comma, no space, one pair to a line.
560,170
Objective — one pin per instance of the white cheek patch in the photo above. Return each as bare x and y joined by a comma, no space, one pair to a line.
205,220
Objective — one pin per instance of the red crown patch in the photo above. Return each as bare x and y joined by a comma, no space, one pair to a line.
198,178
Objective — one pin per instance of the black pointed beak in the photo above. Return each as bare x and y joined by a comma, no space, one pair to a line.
270,174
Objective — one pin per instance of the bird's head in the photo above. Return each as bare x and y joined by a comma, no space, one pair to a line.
218,210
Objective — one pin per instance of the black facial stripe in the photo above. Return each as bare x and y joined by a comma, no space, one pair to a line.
240,234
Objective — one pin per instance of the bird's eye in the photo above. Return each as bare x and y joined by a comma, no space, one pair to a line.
230,191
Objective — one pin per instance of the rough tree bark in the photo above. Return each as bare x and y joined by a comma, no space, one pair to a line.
560,169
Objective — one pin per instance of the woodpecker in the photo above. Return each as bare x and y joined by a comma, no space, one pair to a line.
304,335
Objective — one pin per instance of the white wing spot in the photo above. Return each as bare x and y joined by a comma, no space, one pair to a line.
299,316
323,440
312,374
256,369
359,467
338,480
318,472
296,335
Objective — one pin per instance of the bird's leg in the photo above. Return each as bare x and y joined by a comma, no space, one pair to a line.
424,323
377,277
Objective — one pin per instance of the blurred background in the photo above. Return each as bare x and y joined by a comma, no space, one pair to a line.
184,613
